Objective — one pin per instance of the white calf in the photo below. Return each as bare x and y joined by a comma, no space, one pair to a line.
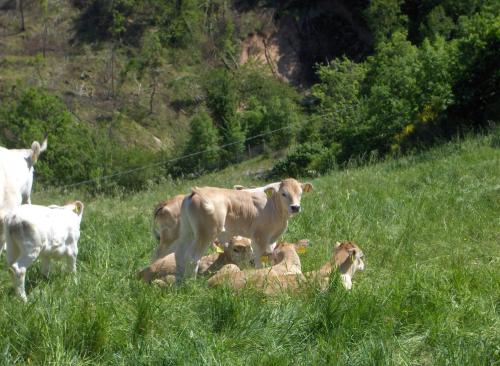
48,232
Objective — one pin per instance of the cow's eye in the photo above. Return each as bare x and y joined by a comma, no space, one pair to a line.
283,194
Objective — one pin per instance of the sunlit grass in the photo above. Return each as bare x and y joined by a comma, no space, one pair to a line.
429,226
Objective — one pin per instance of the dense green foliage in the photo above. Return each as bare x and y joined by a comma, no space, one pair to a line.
388,77
428,226
36,113
406,95
76,152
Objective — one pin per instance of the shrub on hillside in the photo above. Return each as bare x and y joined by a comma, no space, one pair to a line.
71,151
276,120
202,146
268,104
75,152
309,159
341,108
222,101
477,99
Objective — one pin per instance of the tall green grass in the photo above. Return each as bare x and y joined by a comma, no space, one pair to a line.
429,225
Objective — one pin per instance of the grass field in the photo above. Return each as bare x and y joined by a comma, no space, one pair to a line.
429,226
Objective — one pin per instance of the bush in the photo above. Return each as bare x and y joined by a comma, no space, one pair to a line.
71,152
75,153
222,100
121,169
341,106
476,90
203,144
301,161
268,105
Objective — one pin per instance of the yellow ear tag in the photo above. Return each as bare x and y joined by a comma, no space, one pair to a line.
301,249
264,259
351,257
269,193
218,249
76,210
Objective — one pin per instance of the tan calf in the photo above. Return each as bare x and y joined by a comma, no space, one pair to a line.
286,262
347,257
238,251
261,215
166,221
166,217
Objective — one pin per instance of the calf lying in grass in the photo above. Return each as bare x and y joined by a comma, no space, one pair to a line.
286,274
49,232
238,251
286,263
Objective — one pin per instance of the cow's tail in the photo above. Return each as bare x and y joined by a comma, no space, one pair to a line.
159,207
36,149
207,205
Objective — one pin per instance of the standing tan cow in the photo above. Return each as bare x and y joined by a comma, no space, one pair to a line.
166,217
209,212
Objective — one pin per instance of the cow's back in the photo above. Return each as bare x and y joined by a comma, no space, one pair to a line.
233,211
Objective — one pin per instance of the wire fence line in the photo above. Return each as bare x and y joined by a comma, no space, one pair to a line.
186,156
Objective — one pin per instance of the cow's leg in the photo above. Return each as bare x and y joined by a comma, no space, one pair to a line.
45,265
12,252
199,247
259,250
3,245
204,229
18,269
71,258
71,263
262,248
180,255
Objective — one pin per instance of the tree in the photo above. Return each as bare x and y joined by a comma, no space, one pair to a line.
385,17
150,61
202,144
222,100
20,6
71,153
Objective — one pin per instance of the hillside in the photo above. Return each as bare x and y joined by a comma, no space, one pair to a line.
124,84
427,223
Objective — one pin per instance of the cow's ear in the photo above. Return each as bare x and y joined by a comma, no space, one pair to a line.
307,187
78,208
270,191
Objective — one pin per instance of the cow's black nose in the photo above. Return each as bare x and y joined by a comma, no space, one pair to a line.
295,208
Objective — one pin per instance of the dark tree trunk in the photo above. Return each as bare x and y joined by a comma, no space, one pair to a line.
21,11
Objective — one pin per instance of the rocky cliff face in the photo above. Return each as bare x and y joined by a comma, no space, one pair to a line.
299,35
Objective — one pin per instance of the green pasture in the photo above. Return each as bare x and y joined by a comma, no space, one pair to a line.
429,226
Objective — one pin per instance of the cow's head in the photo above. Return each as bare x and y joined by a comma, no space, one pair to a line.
289,193
238,250
283,248
349,259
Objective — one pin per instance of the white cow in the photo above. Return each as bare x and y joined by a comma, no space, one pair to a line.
18,165
49,232
16,178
